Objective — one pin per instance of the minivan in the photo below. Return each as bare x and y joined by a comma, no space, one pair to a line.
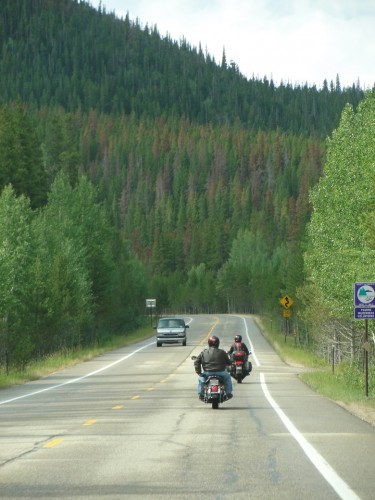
171,331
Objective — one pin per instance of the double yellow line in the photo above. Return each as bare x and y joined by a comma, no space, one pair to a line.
203,341
90,422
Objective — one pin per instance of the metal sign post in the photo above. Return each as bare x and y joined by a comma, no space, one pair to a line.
150,304
366,356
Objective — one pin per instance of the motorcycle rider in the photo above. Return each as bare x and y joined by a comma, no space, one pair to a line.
214,362
240,346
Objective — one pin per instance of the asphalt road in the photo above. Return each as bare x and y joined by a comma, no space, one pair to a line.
129,425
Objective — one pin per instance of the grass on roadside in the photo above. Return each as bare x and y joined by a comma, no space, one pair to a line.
332,386
341,384
287,347
60,360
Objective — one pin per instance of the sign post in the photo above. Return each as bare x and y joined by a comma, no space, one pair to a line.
150,304
364,308
287,303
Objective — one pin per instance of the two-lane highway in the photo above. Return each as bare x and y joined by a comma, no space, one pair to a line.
129,425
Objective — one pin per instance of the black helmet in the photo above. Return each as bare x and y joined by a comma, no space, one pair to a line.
238,338
213,341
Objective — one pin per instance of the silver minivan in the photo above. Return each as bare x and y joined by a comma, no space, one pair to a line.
171,331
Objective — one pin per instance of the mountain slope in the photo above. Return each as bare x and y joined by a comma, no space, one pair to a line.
64,52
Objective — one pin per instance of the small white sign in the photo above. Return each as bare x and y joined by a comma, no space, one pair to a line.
150,302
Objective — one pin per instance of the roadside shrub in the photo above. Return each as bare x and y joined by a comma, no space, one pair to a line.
354,378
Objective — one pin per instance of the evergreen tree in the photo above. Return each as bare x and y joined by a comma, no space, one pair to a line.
20,155
65,53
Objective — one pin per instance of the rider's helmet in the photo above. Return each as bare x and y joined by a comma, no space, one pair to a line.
238,338
213,341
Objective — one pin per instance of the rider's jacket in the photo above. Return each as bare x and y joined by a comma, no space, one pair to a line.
239,346
212,359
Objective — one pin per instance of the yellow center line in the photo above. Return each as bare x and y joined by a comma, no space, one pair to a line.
217,321
53,443
90,422
162,381
119,407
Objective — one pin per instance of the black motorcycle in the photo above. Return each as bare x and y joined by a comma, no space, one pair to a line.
213,391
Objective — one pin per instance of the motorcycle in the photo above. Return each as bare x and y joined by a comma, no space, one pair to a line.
213,391
240,367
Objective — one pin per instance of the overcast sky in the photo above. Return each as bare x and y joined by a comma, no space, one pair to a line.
296,41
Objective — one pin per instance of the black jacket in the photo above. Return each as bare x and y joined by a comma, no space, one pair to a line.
212,359
239,346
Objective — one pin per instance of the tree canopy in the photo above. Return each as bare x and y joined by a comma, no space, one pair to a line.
132,166
341,249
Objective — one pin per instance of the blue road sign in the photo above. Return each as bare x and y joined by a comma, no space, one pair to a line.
364,313
364,294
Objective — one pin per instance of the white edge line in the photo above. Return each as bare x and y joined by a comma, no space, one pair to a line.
76,379
251,344
329,474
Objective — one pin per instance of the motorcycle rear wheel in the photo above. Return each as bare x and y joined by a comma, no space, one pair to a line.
215,404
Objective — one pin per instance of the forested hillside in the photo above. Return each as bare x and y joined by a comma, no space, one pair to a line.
133,166
67,54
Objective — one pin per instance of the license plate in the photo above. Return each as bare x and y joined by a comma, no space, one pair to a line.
214,381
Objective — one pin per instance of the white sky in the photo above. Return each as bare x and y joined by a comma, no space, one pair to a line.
296,41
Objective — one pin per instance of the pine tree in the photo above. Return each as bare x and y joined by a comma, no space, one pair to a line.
21,156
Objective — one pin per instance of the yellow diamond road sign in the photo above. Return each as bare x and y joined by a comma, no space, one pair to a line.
286,301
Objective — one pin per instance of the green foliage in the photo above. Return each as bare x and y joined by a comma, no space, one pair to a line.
167,176
248,279
15,286
62,232
64,358
65,53
60,132
178,218
62,274
339,253
351,377
199,290
340,249
346,384
20,155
